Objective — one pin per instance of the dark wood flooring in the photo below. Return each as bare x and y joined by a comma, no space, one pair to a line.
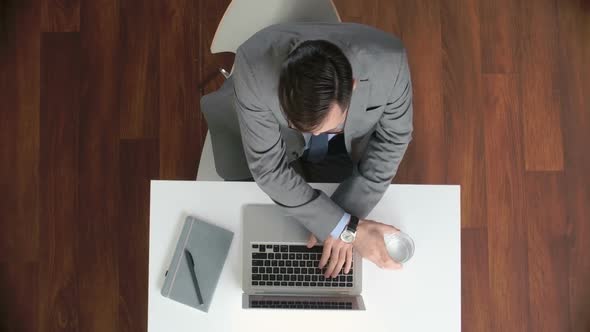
97,97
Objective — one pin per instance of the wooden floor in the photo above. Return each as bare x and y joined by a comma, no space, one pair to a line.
98,97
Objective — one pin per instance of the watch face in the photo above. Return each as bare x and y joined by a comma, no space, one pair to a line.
347,236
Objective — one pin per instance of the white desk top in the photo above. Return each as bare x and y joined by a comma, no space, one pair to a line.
424,296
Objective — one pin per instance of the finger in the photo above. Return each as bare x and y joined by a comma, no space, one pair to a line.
388,263
348,260
340,262
312,241
333,262
389,229
326,252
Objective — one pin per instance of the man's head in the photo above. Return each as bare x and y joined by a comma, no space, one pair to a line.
315,86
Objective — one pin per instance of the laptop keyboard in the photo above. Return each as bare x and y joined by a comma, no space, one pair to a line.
292,266
302,305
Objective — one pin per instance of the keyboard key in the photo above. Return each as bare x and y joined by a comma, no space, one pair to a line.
316,263
298,256
306,284
291,283
313,284
290,270
342,278
295,263
269,246
271,256
280,277
291,256
256,277
349,278
316,249
271,277
283,270
310,270
293,277
287,263
262,283
342,284
261,249
265,277
303,271
254,270
320,284
349,284
309,263
254,246
276,283
322,278
283,283
317,271
275,270
299,277
307,278
274,263
285,256
284,248
269,270
254,283
281,263
314,278
275,248
257,263
298,284
296,270
305,256
267,263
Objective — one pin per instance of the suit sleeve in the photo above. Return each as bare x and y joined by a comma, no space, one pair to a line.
359,194
266,155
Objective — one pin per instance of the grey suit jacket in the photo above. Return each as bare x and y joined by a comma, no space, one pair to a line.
377,131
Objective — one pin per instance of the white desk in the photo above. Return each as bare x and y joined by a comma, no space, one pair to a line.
424,296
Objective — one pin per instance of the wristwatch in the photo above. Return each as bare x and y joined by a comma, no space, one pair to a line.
349,232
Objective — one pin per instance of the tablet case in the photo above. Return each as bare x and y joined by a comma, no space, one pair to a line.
207,247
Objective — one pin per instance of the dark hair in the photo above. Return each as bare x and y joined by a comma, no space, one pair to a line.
314,76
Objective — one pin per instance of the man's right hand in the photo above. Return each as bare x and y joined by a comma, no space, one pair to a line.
370,244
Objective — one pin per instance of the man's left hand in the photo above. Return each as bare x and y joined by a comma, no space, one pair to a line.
339,253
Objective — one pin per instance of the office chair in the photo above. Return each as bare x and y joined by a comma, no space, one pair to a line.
222,156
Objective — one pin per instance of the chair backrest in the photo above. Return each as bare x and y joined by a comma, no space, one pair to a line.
243,18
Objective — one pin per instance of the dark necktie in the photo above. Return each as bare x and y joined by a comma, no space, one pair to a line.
318,147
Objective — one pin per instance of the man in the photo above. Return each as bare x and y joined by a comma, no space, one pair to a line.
326,103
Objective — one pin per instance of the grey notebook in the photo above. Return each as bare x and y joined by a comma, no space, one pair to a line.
197,263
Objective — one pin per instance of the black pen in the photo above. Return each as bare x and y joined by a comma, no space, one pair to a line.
191,265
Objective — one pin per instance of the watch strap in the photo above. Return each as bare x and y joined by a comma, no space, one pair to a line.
352,224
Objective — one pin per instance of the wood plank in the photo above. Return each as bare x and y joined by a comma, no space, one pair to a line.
475,288
499,35
357,11
180,130
58,273
19,132
99,195
539,72
574,29
461,103
139,164
19,291
60,15
507,226
139,109
425,159
548,248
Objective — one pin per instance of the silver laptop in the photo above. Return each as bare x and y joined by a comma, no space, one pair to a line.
279,271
